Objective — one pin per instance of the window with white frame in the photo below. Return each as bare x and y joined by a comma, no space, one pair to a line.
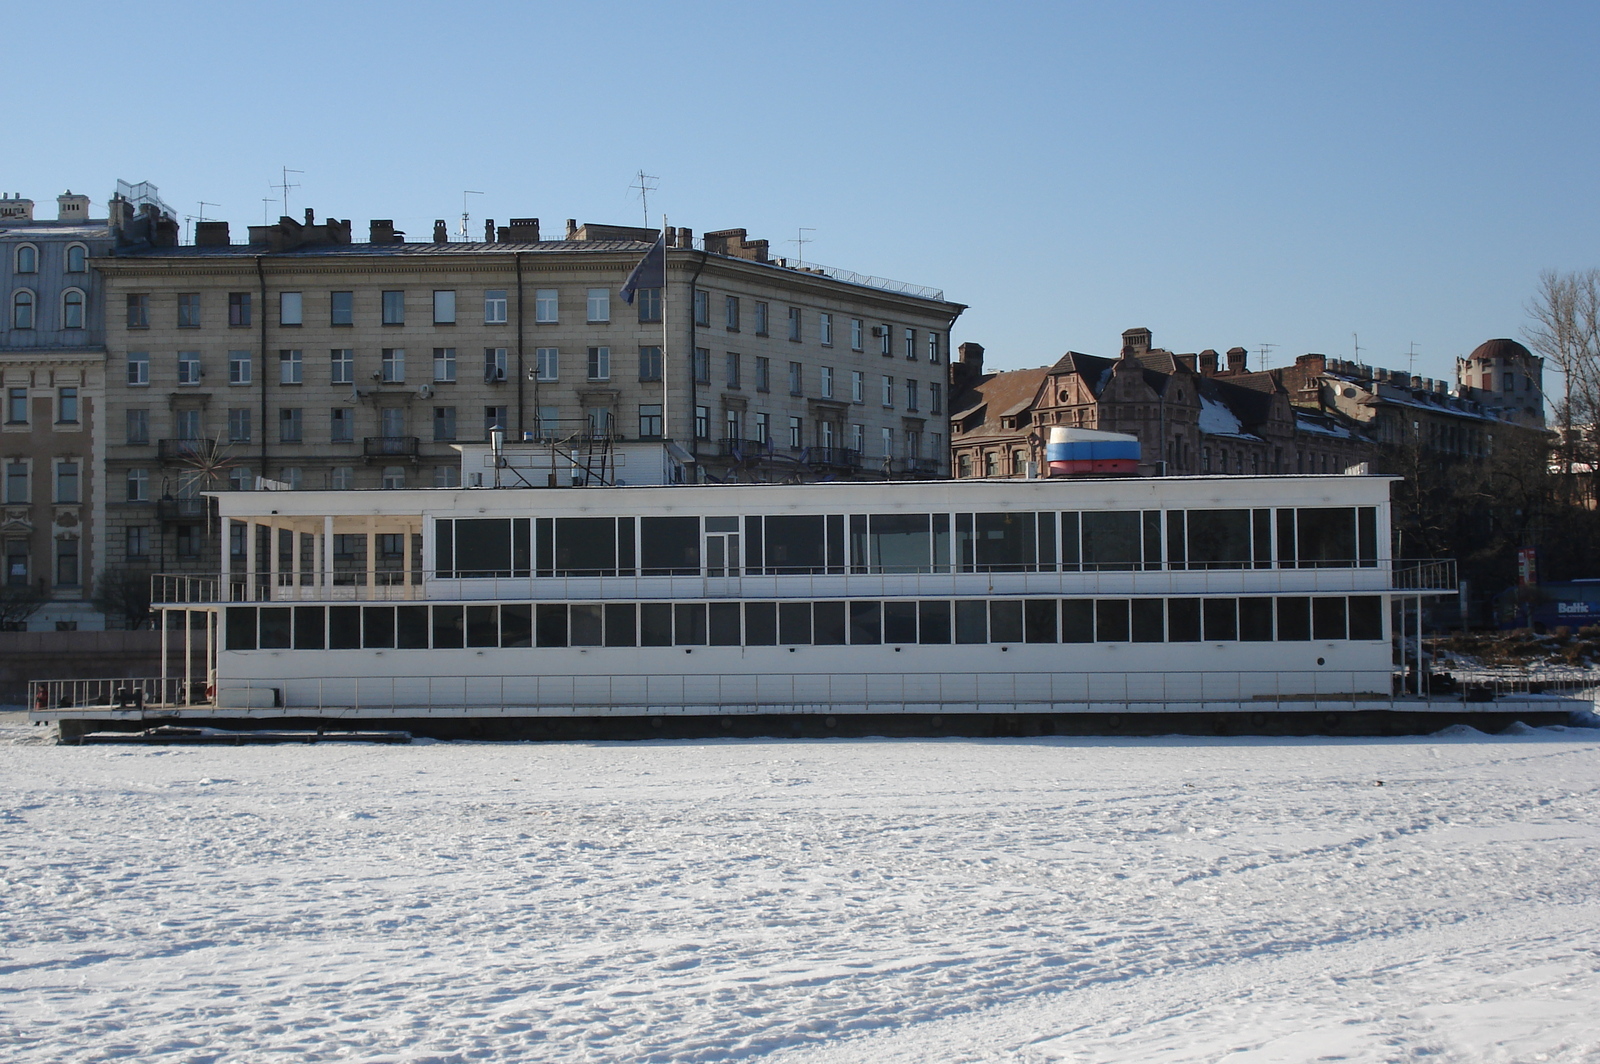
794,323
444,423
394,477
911,395
291,424
72,309
138,310
857,334
137,541
935,397
239,424
341,424
393,367
913,443
796,432
732,424
887,441
702,365
911,345
858,438
826,390
341,308
22,307
77,258
67,561
238,309
67,480
858,386
730,312
188,310
599,363
138,368
796,379
885,339
702,422
188,367
649,420
444,365
342,478
341,365
138,426
238,367
290,308
494,364
67,406
546,306
763,373
291,366
599,304
17,482
649,304
494,307
547,363
888,391
825,329
27,259
933,347
444,307
394,308
649,362
702,308
16,406
761,318
546,421
763,428
291,475
732,369
446,476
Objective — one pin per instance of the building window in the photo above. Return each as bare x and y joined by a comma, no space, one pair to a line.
394,308
444,308
67,562
730,311
546,363
16,562
702,422
794,323
188,310
964,466
650,421
138,425
732,426
935,397
22,310
446,476
546,306
139,311
444,423
27,259
936,446
67,406
826,373
341,366
763,428
16,406
796,432
290,367
911,395
494,364
933,348
77,258
702,365
761,318
341,308
546,421
342,478
885,339
763,373
888,391
341,425
67,481
138,368
187,424
239,425
394,477
238,367
858,438
291,476
796,379
289,424
857,331
494,307
599,420
599,363
16,483
392,422
911,345
991,464
238,308
137,541
393,369
190,538
702,308
649,302
291,308
494,417
599,304
733,369
649,363
913,444
858,386
72,309
188,367
444,365
825,329
888,443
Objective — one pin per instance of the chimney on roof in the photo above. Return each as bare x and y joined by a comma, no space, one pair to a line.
967,369
211,235
1135,342
488,230
685,237
311,217
1236,356
1312,363
1192,361
1208,363
572,228
381,231
520,231
441,233
71,208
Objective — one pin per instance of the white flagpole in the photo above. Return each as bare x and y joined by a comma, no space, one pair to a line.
666,424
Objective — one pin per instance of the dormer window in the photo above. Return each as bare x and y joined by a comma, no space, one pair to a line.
77,258
27,259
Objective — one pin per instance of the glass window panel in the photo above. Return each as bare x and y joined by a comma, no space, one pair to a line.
795,544
827,627
794,623
933,622
689,624
1039,620
310,628
1220,618
899,622
1111,540
1327,536
241,633
1255,620
586,546
1148,617
761,623
866,623
1218,539
550,624
655,624
483,548
1004,542
377,626
1366,617
411,627
516,624
1111,620
483,626
722,626
1005,621
588,625
669,546
449,627
1077,620
901,543
1367,536
1327,618
1183,620
622,624
1294,619
344,627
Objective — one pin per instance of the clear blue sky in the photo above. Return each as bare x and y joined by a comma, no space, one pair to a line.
1223,173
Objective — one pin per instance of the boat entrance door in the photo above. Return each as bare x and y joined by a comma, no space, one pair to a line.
722,548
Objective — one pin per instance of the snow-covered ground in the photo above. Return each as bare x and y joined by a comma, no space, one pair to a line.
1246,900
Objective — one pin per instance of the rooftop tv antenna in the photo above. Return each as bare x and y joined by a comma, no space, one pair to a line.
1265,350
645,188
191,218
1357,341
285,186
800,241
266,209
464,196
1411,359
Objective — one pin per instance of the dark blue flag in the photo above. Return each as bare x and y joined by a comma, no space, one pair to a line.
650,273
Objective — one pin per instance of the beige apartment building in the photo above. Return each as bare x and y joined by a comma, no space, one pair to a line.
305,360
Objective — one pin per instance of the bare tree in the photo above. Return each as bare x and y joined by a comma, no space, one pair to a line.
125,594
1566,331
18,602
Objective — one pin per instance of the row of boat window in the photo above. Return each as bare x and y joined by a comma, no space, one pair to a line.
829,623
1028,541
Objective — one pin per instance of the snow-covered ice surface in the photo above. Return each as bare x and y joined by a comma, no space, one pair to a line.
1247,900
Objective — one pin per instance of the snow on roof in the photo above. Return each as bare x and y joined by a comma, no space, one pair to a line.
1320,426
1217,420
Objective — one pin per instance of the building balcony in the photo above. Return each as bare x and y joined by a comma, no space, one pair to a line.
390,446
739,449
833,457
182,509
185,450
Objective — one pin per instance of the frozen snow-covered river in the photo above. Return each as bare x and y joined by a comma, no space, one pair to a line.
939,900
